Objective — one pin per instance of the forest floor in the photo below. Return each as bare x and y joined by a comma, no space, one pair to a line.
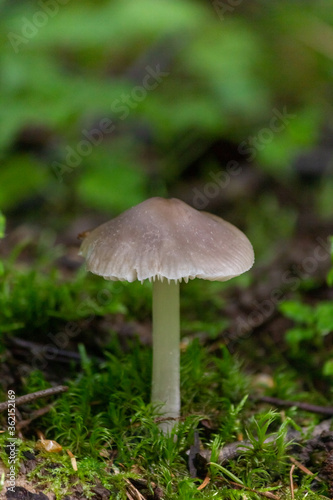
256,371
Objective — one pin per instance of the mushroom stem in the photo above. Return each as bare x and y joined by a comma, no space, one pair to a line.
166,358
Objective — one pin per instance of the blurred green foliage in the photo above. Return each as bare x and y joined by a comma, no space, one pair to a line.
2,225
312,325
330,273
68,66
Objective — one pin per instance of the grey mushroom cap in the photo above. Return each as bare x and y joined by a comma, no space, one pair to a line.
167,239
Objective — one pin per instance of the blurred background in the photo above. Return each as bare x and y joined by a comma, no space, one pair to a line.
224,104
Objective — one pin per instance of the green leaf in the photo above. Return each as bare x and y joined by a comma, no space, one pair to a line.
297,311
296,335
114,24
2,225
328,368
324,317
227,473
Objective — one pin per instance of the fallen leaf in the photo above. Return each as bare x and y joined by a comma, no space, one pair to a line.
48,445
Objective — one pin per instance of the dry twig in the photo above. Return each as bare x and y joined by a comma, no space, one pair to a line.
27,398
323,410
132,492
266,494
302,467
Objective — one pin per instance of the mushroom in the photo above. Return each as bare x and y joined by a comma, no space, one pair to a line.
166,241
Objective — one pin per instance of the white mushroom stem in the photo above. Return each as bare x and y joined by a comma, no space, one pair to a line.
166,358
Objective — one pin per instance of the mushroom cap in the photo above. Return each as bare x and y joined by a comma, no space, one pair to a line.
166,238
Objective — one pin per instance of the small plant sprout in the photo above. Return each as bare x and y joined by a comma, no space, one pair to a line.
167,241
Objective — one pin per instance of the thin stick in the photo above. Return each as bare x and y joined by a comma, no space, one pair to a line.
266,494
303,468
323,410
292,482
27,398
